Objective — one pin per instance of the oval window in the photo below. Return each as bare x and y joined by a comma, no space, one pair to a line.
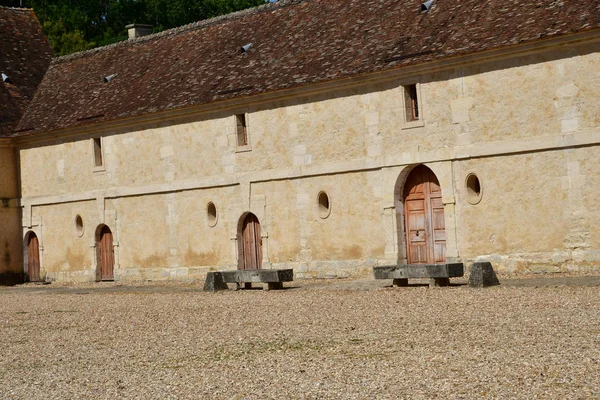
324,205
474,189
79,225
211,214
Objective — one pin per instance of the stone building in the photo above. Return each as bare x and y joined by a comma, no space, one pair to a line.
325,136
24,57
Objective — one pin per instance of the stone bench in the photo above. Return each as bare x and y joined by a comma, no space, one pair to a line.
274,278
438,274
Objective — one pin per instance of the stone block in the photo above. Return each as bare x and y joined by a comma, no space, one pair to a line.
482,275
258,275
411,271
214,282
460,109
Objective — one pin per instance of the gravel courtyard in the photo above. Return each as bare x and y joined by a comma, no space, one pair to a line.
315,340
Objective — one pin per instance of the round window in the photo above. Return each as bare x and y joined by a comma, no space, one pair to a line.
79,225
211,214
474,189
324,205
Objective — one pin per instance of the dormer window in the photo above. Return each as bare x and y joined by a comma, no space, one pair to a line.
246,47
109,78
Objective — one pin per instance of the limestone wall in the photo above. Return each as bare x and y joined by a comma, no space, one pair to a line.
528,126
538,211
65,252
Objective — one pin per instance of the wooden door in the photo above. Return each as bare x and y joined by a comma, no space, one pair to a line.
33,258
107,255
251,243
424,218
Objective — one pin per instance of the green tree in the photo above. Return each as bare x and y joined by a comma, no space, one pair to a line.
63,41
165,14
76,25
10,3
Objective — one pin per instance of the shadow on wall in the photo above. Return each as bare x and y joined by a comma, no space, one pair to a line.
9,278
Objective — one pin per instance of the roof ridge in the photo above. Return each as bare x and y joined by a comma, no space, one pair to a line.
180,29
16,8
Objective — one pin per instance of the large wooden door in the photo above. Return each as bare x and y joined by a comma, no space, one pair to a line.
107,255
251,243
424,218
33,258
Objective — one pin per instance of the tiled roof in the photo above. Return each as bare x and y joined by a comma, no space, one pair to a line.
294,43
24,57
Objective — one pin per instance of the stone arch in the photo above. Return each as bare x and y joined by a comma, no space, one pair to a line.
249,241
31,257
425,236
105,253
399,207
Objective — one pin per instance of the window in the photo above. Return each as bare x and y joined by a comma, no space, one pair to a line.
323,205
411,103
242,130
474,189
98,162
79,225
211,214
413,106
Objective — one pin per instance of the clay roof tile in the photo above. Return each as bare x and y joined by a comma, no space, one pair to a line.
294,43
24,57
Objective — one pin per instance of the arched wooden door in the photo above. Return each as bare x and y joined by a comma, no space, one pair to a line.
424,218
251,243
106,254
33,257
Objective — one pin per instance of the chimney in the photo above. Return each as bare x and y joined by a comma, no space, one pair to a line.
138,30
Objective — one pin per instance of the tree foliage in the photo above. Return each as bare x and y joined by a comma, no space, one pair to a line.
76,25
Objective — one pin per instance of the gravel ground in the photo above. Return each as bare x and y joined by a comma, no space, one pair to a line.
353,341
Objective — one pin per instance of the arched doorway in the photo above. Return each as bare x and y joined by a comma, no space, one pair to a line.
424,218
33,257
250,243
105,254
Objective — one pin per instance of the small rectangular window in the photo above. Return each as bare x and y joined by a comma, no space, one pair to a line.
411,103
97,152
242,130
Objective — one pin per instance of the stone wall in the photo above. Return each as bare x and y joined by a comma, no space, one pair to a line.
538,211
527,126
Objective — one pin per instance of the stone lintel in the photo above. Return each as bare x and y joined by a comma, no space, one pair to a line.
415,271
258,275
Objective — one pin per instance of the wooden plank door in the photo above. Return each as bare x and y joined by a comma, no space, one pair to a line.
424,218
33,258
251,243
438,224
107,255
